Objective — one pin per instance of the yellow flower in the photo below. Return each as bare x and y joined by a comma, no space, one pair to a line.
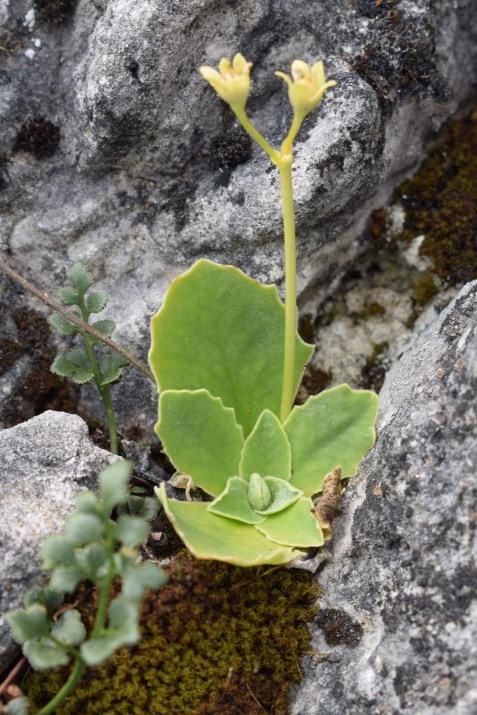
306,86
232,82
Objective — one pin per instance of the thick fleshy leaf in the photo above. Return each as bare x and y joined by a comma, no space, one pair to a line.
294,526
223,331
283,495
334,428
266,450
209,536
200,436
233,503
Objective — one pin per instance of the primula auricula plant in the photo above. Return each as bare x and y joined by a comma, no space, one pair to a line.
228,361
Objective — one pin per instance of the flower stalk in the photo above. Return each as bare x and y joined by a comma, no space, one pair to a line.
306,88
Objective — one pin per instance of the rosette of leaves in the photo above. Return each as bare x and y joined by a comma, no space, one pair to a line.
217,355
80,363
97,549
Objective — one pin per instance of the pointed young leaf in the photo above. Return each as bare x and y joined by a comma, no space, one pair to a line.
62,324
113,483
294,526
208,536
200,436
68,296
283,495
80,277
266,450
233,503
220,330
69,629
333,428
44,654
96,302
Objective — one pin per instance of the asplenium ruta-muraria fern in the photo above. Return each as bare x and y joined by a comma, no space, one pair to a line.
228,360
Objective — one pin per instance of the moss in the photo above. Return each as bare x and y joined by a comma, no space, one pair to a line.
39,137
425,289
441,203
216,639
374,371
338,627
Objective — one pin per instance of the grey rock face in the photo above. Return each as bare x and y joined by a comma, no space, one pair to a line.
44,463
151,172
399,607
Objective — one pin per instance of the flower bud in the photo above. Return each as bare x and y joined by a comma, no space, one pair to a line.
232,82
306,86
259,496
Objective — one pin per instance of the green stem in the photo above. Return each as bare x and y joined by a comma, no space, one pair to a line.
287,144
274,155
288,386
75,676
103,389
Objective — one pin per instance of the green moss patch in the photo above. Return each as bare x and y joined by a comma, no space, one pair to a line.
441,204
216,639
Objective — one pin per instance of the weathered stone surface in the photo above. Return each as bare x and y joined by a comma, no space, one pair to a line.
44,463
150,171
399,603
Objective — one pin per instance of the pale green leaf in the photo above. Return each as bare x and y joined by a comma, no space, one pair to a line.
131,530
45,596
233,503
333,428
266,450
62,366
87,503
62,324
56,551
65,578
44,654
220,330
69,629
140,578
29,624
81,528
68,296
17,706
294,526
110,366
80,277
93,561
105,327
96,302
200,436
113,483
98,650
209,536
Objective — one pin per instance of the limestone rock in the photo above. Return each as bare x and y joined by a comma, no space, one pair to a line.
44,464
398,616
